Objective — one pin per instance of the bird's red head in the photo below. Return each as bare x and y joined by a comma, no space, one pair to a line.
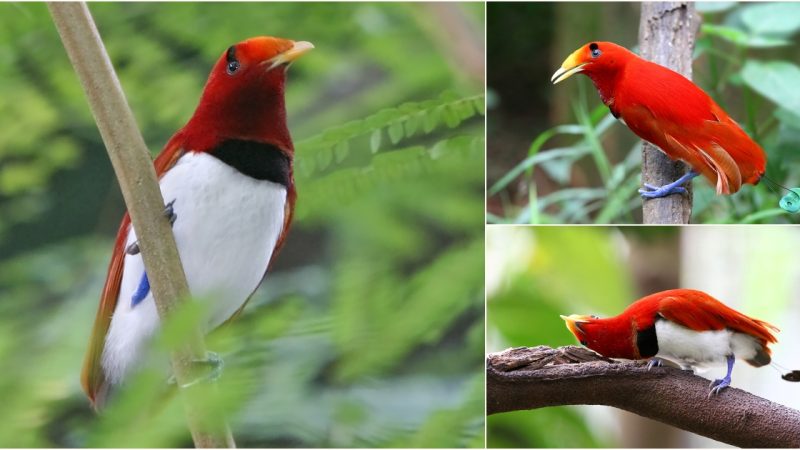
600,61
611,337
244,95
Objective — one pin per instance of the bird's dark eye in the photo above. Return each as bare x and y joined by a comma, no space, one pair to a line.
595,49
594,317
233,63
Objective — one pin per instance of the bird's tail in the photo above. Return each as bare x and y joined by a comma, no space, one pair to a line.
786,374
789,202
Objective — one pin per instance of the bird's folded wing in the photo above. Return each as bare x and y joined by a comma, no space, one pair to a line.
92,377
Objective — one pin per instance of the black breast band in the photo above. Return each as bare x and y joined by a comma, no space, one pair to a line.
647,342
255,159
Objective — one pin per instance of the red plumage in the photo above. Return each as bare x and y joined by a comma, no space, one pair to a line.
665,108
616,337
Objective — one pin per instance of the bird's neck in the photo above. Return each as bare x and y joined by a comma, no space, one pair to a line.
606,84
615,337
257,115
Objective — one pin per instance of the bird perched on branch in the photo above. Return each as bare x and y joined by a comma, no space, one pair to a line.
227,177
666,109
684,326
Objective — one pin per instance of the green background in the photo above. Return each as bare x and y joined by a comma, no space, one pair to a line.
369,329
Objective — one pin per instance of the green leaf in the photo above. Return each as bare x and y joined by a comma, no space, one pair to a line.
776,80
411,125
430,120
324,158
741,38
480,105
396,132
375,140
713,7
450,117
341,150
773,19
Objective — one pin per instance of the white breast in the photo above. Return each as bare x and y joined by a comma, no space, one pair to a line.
226,229
701,348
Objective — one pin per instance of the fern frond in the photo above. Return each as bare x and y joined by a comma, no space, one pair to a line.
341,186
384,129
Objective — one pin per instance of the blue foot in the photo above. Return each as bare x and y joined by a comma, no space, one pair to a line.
655,362
719,385
675,187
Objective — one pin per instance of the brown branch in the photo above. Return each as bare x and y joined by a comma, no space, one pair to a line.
528,378
667,36
134,170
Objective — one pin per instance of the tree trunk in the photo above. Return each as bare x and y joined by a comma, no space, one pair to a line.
667,37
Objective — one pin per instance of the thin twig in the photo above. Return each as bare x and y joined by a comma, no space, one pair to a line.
137,179
529,378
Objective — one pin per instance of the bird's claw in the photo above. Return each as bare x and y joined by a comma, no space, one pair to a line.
655,362
133,249
651,191
169,213
718,385
663,191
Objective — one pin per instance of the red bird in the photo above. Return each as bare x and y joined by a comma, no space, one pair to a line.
684,326
227,177
668,110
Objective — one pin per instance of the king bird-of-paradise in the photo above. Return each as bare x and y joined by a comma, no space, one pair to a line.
687,327
228,181
666,109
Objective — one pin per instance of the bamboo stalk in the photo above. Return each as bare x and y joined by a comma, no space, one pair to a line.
137,178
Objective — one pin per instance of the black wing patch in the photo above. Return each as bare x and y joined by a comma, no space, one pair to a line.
256,160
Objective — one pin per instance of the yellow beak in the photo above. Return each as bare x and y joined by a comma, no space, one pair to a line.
298,49
571,66
574,321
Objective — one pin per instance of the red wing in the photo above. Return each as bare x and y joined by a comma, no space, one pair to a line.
696,130
92,377
700,312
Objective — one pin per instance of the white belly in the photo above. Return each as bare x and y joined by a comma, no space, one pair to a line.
701,348
226,229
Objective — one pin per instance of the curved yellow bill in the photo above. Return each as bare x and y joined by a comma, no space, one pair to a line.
298,49
573,322
571,66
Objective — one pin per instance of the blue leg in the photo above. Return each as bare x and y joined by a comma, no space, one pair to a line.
718,385
141,291
675,187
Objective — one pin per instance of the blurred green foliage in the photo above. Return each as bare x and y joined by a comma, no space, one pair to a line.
368,330
746,59
552,271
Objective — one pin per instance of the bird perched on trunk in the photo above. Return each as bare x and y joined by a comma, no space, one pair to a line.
684,326
668,110
227,177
